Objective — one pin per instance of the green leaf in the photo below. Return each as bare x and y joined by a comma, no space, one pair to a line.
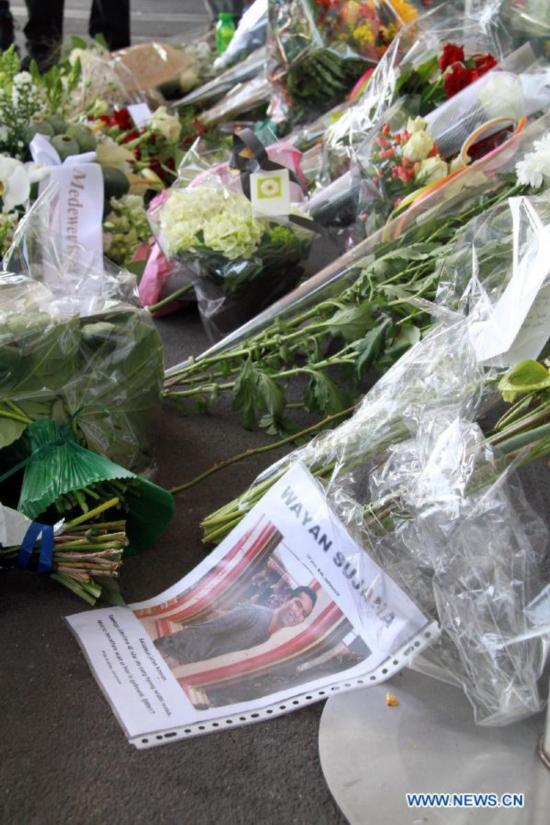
10,431
136,268
522,378
351,323
372,346
323,395
408,336
271,394
244,393
78,42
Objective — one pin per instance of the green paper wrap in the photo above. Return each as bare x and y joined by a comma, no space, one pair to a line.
55,464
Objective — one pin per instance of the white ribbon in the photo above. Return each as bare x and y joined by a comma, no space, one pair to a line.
76,211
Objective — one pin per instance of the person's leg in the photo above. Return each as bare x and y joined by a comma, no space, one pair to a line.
111,18
44,30
7,35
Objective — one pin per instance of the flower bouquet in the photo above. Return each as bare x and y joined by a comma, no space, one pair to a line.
320,48
458,118
74,347
433,499
362,312
419,67
240,257
428,490
409,155
87,510
245,261
217,87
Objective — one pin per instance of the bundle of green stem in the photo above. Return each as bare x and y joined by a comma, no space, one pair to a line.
523,433
87,554
371,318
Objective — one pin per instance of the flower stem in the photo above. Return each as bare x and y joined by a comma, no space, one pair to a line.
221,465
169,298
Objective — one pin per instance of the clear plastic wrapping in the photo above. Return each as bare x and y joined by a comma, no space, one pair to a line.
75,347
218,86
320,49
436,501
244,97
104,77
249,35
477,30
493,173
527,19
427,151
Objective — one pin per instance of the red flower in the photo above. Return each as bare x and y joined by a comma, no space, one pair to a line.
484,63
457,78
451,54
132,135
122,119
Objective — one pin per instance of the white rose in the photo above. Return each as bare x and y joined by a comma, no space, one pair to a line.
418,147
416,124
15,187
166,125
430,170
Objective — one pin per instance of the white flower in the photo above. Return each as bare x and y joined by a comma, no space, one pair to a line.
15,186
210,216
534,169
36,171
110,153
165,124
22,79
416,124
22,89
501,95
418,147
431,169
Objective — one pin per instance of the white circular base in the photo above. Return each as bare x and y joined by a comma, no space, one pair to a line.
372,755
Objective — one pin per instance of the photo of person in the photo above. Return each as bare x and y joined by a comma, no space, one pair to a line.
239,629
255,623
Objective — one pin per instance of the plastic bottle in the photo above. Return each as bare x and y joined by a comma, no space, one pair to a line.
225,29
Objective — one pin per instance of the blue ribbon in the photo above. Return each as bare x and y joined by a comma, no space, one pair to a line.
45,533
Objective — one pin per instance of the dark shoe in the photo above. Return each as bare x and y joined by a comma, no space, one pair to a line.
7,33
45,55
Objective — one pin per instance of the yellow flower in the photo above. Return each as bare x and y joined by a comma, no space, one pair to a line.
363,35
406,11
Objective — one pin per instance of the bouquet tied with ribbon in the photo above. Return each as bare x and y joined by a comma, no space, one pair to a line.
80,512
240,230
